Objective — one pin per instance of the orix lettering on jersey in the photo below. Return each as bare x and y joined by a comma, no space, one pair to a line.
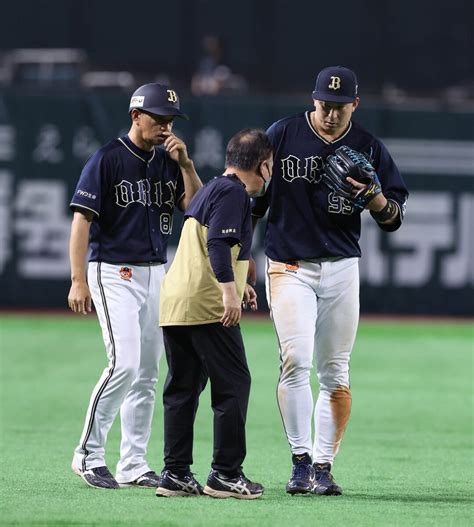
127,192
309,168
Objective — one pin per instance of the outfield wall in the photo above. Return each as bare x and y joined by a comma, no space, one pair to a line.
424,268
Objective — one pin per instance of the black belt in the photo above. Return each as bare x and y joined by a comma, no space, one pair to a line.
146,264
136,264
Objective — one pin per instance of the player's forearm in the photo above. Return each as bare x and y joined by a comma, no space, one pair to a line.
384,211
78,245
191,181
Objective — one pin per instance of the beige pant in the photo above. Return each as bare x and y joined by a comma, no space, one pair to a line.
315,310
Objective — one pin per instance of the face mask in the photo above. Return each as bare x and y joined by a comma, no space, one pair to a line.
263,190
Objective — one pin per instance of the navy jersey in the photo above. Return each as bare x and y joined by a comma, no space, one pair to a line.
223,206
306,220
132,193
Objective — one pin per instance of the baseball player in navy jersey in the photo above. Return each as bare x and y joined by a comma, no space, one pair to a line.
123,213
312,277
200,310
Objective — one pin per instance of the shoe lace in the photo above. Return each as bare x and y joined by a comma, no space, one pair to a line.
149,474
103,471
300,471
324,475
190,477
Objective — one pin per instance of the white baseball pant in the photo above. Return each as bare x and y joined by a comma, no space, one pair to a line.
126,298
315,310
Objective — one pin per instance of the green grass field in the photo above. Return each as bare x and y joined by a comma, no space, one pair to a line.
407,456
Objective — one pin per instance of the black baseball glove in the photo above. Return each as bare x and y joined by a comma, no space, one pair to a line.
350,163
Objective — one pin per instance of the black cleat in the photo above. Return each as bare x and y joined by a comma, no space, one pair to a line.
149,480
325,484
219,486
302,477
173,485
97,477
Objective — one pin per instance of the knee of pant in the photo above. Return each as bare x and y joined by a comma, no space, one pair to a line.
333,376
126,372
246,381
148,375
295,364
295,373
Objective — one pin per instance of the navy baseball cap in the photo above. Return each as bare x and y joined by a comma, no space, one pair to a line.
336,84
158,99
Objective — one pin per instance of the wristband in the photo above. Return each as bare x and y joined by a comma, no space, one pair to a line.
387,213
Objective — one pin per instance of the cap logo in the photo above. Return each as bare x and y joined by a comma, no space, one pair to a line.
172,97
335,83
138,100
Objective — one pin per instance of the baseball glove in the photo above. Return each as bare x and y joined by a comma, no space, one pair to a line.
350,163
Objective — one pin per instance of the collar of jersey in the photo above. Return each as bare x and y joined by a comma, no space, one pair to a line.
233,177
308,120
143,155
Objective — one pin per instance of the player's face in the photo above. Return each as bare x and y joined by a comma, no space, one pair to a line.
152,126
332,118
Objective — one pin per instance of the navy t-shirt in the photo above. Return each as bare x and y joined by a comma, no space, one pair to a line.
223,206
132,194
306,220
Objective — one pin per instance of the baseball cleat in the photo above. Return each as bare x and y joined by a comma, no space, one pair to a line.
219,486
172,485
149,480
324,484
97,477
302,476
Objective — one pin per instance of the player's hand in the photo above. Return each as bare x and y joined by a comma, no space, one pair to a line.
357,186
377,203
250,298
232,307
252,272
79,298
176,149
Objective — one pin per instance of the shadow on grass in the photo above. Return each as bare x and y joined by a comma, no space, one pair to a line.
432,497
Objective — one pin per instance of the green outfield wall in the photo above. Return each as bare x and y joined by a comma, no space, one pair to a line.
424,268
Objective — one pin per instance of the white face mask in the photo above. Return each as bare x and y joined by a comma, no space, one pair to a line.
262,191
264,188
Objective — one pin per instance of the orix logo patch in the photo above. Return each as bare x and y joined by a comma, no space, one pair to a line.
126,274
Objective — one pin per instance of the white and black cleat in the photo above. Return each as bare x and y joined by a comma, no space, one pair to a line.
173,485
97,477
220,486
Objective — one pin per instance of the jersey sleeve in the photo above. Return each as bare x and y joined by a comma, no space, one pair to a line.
179,187
89,190
220,258
226,214
393,186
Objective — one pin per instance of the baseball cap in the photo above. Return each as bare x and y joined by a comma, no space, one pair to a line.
336,84
158,99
